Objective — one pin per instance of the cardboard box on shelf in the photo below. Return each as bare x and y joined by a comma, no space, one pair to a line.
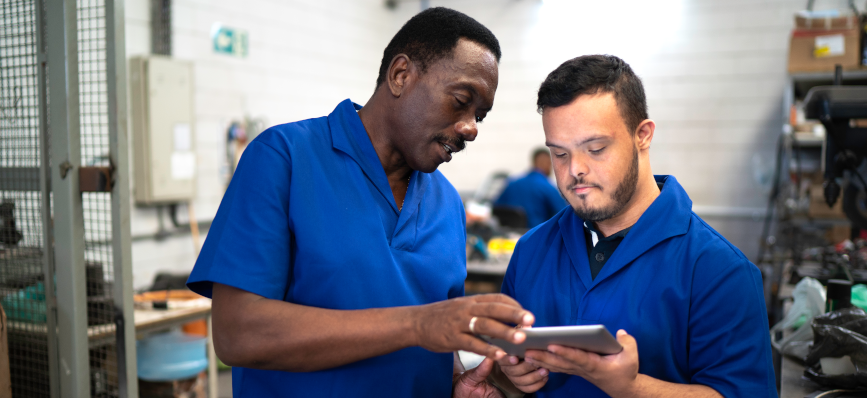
819,50
820,209
827,23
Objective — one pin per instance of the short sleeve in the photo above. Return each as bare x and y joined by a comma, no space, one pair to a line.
729,344
248,244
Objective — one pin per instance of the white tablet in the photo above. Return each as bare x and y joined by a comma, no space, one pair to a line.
592,338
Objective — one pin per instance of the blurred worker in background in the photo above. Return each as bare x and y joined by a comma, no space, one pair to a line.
337,258
533,192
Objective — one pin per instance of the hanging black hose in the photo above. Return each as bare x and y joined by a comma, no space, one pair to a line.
772,199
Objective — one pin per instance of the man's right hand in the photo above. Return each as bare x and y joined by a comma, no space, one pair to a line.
445,326
524,376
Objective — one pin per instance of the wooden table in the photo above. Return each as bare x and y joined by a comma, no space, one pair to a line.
146,322
150,321
495,267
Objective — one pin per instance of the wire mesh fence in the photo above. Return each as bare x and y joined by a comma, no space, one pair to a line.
94,132
22,266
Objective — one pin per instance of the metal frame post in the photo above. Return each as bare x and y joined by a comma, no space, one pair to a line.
62,50
120,199
45,188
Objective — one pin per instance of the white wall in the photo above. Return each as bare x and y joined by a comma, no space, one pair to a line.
714,73
305,57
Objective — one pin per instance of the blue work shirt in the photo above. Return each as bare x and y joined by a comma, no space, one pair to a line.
309,218
693,302
535,194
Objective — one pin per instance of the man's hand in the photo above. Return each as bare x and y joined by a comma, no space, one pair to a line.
473,383
445,326
526,377
615,374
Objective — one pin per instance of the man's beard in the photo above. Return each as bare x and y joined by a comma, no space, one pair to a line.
622,195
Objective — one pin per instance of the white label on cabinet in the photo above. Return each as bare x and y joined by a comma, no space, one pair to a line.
183,137
183,165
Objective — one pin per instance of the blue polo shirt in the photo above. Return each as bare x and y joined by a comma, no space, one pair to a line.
693,302
535,194
309,218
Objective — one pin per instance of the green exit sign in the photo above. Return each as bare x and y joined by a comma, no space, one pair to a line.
229,41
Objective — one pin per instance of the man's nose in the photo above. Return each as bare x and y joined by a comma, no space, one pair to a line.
467,130
578,167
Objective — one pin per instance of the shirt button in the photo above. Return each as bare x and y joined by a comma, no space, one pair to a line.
600,257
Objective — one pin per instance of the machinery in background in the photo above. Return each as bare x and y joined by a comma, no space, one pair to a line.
842,110
492,230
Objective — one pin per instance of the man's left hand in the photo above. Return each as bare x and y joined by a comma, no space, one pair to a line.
614,374
473,383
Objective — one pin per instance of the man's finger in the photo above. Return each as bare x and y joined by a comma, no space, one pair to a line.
549,360
496,298
519,369
526,320
626,340
475,345
509,360
478,374
528,379
503,312
536,386
492,328
576,356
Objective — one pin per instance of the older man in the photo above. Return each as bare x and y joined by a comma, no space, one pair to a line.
337,257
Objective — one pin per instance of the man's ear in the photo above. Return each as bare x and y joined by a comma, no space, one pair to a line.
644,134
398,74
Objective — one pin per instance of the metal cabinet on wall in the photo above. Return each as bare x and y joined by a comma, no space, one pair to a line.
161,104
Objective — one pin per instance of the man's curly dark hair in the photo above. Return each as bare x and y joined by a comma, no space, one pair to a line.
432,35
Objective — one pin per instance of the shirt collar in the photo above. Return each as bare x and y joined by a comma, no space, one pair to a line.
595,234
668,216
349,136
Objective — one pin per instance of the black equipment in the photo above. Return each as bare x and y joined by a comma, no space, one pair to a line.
840,109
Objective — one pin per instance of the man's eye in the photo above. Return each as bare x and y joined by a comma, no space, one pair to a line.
597,151
560,155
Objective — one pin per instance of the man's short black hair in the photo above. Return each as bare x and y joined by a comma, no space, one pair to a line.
539,152
596,74
431,35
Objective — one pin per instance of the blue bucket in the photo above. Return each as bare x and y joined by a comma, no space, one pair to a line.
171,356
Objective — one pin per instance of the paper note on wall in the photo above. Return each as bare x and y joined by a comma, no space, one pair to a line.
829,46
183,165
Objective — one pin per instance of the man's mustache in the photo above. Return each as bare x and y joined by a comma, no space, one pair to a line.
455,142
580,181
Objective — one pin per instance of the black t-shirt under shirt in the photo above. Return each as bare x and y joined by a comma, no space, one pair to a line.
599,248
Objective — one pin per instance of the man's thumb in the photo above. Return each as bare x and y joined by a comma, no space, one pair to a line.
478,374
